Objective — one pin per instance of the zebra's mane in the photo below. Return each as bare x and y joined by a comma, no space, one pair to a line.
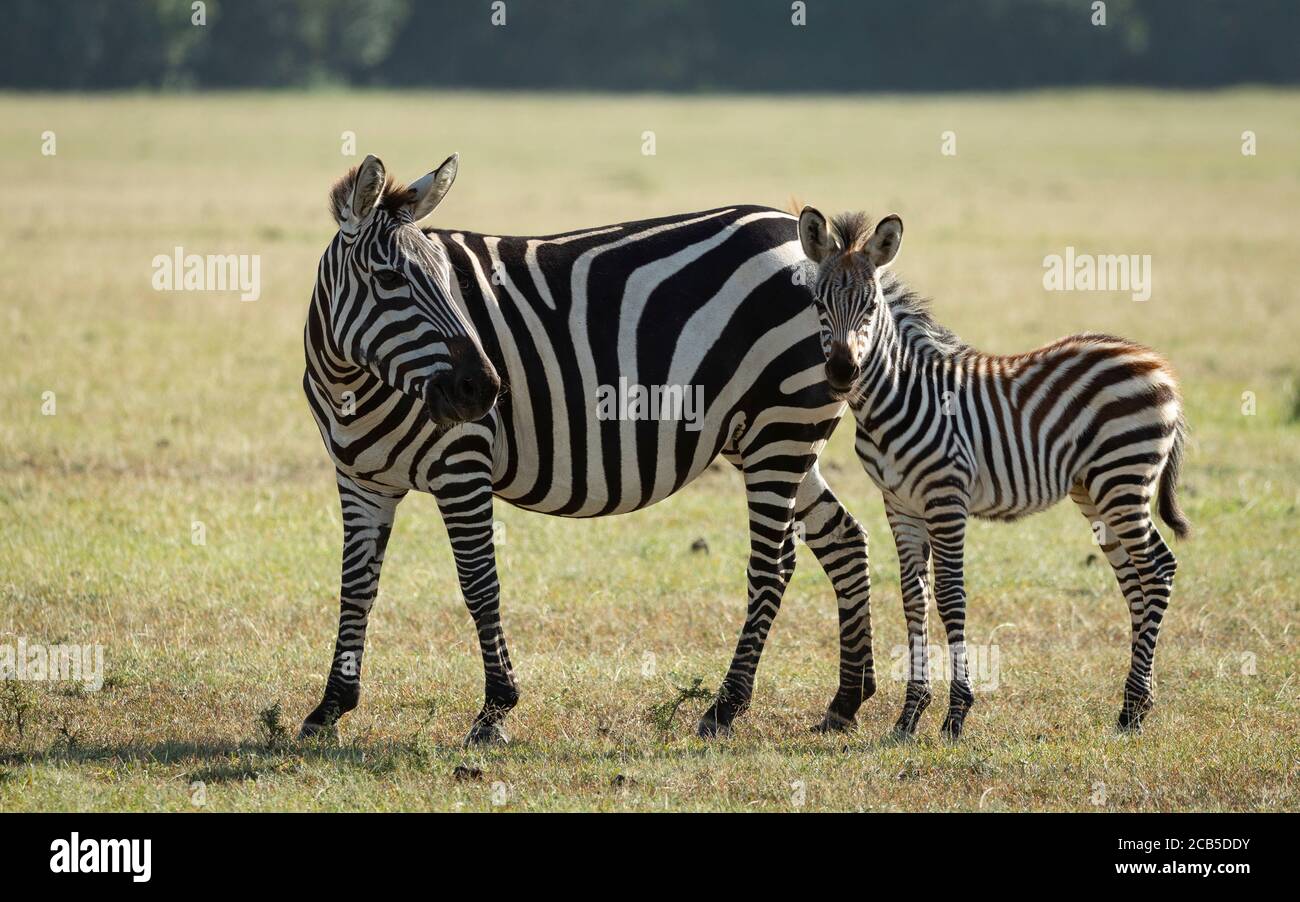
916,325
392,198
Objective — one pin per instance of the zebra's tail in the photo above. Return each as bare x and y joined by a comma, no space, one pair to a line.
1170,512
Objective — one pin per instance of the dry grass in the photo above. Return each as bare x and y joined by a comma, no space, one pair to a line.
173,408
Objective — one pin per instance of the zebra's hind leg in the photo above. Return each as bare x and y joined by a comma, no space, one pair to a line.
912,542
770,494
1130,584
1125,511
466,506
367,524
840,545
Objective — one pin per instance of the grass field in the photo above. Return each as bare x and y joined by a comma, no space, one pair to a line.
177,408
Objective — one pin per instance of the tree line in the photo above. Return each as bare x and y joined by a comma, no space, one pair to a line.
666,45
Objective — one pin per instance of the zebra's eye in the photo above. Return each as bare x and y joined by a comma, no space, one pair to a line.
389,280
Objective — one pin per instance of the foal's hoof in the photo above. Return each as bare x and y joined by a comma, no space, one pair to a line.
905,728
900,735
710,727
951,729
487,732
835,723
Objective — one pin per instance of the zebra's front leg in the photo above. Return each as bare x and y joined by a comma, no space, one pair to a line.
771,564
913,545
466,506
367,524
840,545
947,531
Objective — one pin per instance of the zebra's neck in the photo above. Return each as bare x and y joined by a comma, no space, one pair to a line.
905,340
334,376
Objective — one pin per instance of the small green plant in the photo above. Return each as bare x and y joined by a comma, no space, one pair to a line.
66,742
274,732
663,714
15,706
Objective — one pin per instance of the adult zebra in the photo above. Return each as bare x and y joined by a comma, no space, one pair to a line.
947,432
402,371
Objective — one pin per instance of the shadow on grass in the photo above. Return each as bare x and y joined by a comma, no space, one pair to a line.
225,761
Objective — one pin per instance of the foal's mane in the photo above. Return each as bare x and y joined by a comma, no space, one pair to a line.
853,229
910,311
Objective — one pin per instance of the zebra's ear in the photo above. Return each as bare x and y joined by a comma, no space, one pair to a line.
815,235
882,246
366,188
429,190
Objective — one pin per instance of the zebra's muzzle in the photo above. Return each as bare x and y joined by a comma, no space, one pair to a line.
464,393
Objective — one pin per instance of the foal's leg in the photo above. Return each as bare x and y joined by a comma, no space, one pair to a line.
770,494
367,523
465,501
1125,510
946,526
1130,583
912,541
840,545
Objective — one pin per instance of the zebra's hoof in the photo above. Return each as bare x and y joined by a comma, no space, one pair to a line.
951,729
326,732
900,736
711,728
905,728
323,722
487,732
1131,715
835,723
1130,720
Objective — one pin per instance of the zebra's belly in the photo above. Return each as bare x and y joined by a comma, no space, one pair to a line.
621,466
1010,499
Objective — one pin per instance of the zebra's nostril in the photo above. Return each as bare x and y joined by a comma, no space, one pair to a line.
840,371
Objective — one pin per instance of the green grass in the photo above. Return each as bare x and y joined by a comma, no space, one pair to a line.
175,408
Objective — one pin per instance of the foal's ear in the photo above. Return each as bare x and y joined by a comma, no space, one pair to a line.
815,235
882,246
428,191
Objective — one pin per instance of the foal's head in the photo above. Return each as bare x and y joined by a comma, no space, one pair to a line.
849,254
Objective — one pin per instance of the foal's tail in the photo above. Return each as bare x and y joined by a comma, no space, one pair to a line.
1170,512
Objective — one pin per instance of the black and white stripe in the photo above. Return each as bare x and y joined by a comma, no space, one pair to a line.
705,299
947,432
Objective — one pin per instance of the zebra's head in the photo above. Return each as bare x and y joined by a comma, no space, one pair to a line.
391,308
848,254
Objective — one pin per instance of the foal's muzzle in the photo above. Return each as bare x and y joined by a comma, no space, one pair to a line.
841,370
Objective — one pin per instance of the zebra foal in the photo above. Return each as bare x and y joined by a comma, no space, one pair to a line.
947,432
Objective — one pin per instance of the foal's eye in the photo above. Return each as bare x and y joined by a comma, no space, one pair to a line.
389,280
